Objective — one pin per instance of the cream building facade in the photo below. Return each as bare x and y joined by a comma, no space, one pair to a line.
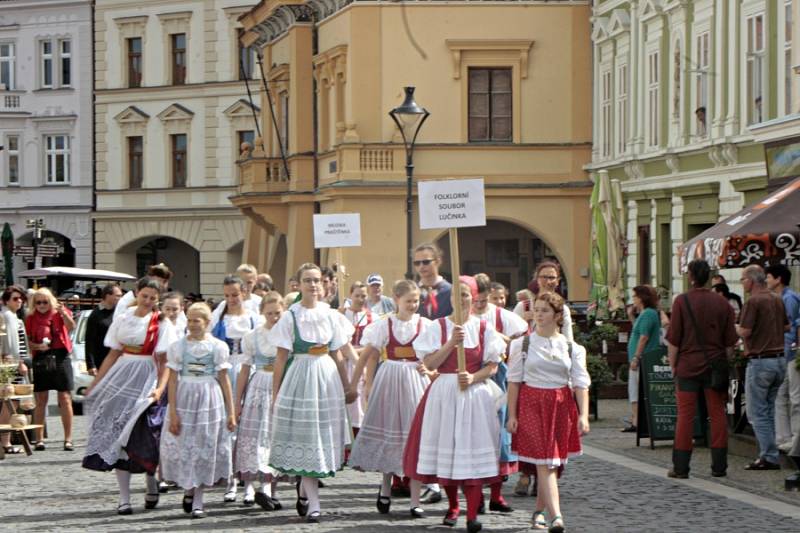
171,112
46,125
508,86
682,90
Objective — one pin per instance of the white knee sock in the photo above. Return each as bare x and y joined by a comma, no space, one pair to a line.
197,502
124,482
386,485
435,487
152,484
232,484
311,486
249,490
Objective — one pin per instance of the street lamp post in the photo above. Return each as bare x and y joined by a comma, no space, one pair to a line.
409,118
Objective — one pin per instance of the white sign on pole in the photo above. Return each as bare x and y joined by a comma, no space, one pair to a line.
451,204
337,231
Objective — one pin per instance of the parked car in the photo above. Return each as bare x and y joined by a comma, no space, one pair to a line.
81,375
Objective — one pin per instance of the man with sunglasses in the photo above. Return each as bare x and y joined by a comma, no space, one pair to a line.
434,289
13,348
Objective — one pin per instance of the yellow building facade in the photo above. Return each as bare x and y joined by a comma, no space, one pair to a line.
508,86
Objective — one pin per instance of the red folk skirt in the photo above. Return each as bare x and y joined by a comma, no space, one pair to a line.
547,427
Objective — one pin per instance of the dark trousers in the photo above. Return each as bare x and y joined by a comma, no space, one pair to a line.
686,394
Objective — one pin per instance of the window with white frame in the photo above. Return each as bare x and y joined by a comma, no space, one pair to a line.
65,60
702,65
12,152
653,99
47,64
7,60
605,110
57,156
756,62
622,108
787,57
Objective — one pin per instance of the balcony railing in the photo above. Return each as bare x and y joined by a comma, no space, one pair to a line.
10,103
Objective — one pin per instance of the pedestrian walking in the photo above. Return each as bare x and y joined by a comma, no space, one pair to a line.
645,337
762,325
310,428
49,325
787,402
196,449
700,342
453,439
123,400
254,408
13,349
399,384
379,303
510,326
97,326
546,369
234,322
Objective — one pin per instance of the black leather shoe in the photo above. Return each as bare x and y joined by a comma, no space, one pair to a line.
383,503
417,512
677,475
302,503
313,517
276,504
450,519
431,496
264,501
501,507
473,526
187,503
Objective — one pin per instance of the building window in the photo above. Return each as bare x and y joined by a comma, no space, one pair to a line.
66,63
703,61
755,68
135,62
245,136
178,58
246,58
490,115
57,158
284,125
643,254
622,108
676,82
12,149
605,110
178,160
47,64
135,162
7,65
653,99
787,58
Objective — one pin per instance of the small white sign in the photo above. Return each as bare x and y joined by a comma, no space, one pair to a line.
451,204
337,231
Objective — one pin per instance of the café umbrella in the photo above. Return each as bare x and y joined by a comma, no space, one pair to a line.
767,232
7,243
606,252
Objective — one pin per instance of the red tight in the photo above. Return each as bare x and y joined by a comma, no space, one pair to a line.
497,494
473,495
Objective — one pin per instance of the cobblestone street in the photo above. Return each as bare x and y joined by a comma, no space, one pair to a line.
51,492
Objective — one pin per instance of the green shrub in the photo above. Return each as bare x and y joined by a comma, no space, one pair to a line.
598,369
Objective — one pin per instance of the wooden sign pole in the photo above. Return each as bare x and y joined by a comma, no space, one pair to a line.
458,312
339,277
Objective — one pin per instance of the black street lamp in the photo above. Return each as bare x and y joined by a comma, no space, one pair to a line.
409,118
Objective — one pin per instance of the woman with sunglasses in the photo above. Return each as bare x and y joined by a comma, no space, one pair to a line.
48,325
13,348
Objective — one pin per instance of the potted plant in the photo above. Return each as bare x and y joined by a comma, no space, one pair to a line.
601,376
7,375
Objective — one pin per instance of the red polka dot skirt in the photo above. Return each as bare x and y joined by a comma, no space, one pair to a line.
547,427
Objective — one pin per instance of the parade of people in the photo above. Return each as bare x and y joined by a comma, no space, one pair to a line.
369,266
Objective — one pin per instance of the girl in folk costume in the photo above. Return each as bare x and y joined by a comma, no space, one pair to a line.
196,451
254,407
361,316
233,324
172,307
453,438
542,416
509,326
310,429
123,432
400,383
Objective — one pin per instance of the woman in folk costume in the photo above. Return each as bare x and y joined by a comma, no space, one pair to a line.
233,324
310,428
254,408
509,326
544,370
453,439
361,316
399,384
196,451
124,421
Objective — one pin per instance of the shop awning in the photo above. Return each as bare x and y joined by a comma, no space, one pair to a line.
765,233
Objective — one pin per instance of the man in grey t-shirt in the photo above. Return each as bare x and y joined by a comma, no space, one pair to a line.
377,302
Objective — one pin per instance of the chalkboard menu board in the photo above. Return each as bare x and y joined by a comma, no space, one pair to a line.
658,410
